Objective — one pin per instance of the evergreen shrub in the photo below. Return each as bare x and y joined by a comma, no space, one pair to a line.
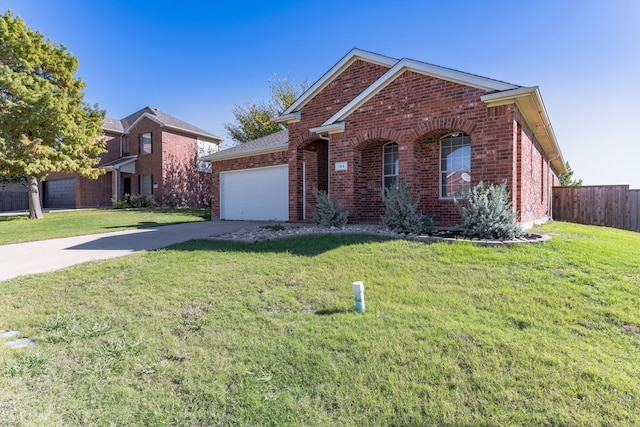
328,212
487,213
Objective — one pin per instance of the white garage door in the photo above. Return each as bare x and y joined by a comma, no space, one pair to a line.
255,194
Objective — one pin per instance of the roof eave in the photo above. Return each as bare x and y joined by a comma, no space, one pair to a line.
287,119
422,68
530,104
192,132
337,127
221,156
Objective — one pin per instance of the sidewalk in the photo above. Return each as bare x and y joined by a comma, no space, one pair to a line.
50,255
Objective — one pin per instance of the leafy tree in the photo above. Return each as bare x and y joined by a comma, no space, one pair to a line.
45,126
567,178
255,120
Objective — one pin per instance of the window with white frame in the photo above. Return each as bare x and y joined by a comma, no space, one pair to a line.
146,185
205,148
145,143
390,165
124,140
455,165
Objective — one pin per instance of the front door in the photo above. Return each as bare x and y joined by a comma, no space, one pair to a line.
126,185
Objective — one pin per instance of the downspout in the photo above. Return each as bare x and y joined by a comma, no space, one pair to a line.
549,187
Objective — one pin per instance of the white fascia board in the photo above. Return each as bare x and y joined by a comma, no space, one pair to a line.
531,106
332,128
422,68
287,119
328,77
149,116
216,157
164,125
457,76
211,138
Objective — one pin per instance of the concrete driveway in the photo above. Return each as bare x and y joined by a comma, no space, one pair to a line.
50,255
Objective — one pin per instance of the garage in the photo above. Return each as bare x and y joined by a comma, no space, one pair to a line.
60,194
255,194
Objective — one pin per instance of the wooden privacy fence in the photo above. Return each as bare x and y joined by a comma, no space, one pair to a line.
607,205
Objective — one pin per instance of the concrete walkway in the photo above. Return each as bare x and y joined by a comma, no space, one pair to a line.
50,255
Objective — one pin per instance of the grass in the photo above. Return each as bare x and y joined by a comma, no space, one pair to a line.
18,228
222,333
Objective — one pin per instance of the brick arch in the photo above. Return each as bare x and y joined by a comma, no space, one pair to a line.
378,134
442,125
303,138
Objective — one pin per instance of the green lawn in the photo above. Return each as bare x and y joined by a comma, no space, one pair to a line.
221,333
18,228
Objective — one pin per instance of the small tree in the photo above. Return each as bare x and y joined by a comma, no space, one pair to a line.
487,213
328,212
567,178
401,214
254,120
45,126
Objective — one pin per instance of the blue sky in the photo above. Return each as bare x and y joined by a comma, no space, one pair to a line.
196,60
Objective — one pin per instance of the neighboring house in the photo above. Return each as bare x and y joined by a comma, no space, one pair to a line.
148,153
373,122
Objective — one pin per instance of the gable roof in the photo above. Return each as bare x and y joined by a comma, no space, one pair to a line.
398,69
291,114
273,143
163,119
528,99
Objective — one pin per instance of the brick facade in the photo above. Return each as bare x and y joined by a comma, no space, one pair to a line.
172,165
415,110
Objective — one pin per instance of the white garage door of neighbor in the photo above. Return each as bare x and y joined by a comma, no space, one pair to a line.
255,194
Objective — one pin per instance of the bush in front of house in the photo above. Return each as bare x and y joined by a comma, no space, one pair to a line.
328,212
135,201
487,213
401,214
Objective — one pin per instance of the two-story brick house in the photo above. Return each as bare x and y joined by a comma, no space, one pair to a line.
373,121
148,153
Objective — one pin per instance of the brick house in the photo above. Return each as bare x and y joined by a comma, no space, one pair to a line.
148,152
371,122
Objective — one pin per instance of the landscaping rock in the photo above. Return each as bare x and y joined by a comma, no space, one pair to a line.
282,231
9,334
20,343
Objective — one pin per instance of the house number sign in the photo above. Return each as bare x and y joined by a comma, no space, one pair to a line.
341,166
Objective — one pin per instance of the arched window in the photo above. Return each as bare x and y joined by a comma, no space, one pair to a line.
455,165
390,165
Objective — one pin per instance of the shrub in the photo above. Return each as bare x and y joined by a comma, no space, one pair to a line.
149,201
487,213
136,201
119,204
328,212
172,200
401,215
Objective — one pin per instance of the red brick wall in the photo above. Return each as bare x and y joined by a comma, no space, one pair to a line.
415,111
94,192
536,178
262,160
180,170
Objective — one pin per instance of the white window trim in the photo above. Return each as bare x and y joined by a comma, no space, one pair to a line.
440,171
397,174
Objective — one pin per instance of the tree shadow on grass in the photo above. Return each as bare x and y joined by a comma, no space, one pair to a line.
310,245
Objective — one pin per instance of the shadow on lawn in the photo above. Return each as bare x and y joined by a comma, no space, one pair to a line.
309,246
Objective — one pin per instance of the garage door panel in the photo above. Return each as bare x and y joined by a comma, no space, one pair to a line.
60,193
255,194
